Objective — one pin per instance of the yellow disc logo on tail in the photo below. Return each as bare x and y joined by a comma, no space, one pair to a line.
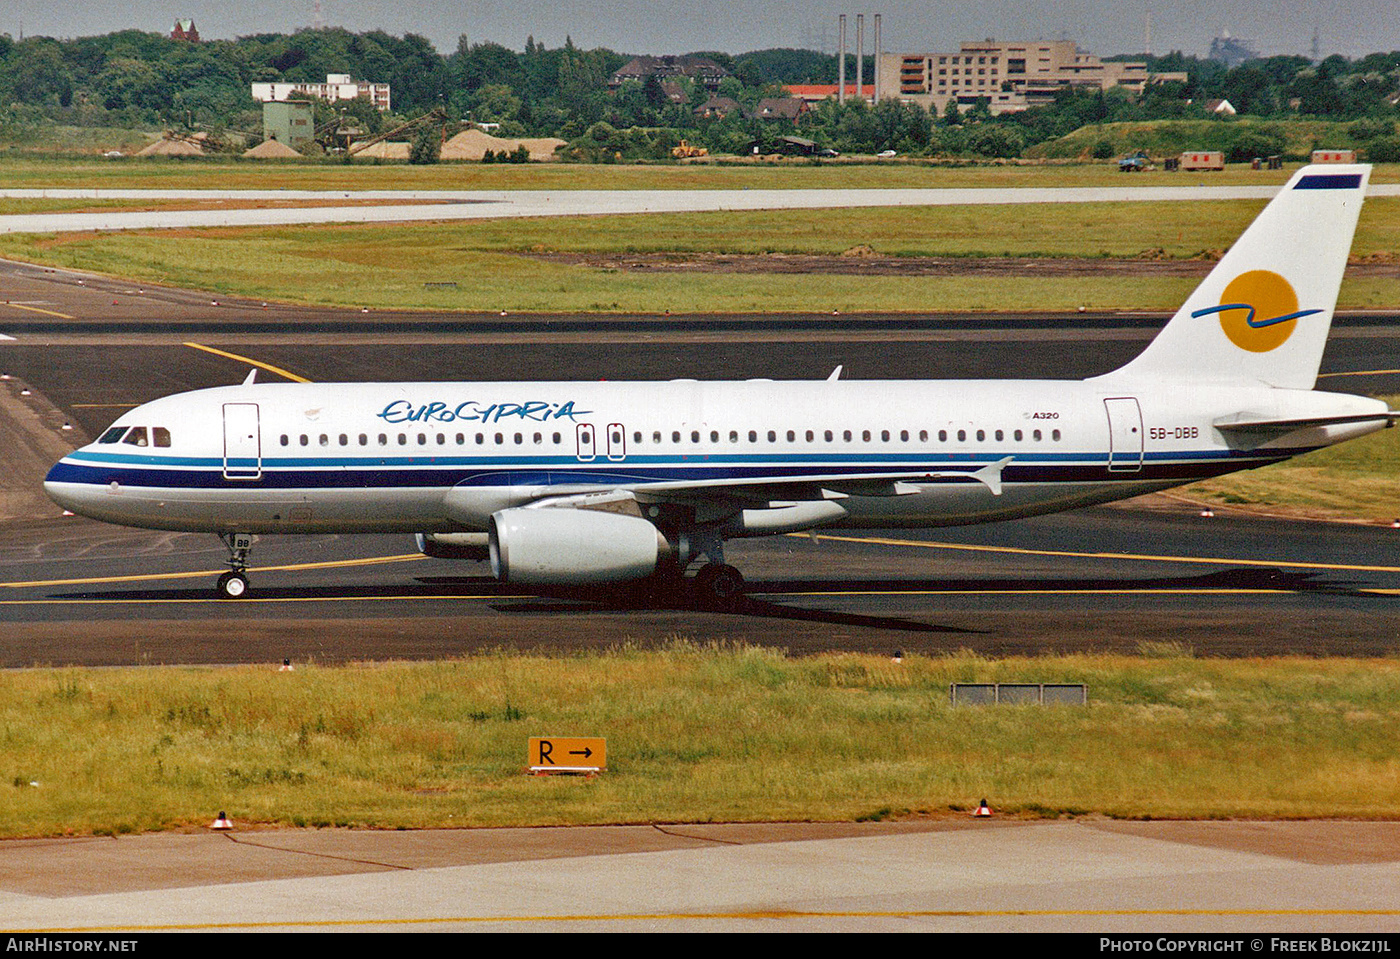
1258,311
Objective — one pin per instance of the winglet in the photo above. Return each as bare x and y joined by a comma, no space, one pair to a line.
252,375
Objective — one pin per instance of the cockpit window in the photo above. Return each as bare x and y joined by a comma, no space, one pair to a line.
112,435
160,435
137,437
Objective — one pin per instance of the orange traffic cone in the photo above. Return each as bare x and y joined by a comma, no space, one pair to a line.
983,810
222,822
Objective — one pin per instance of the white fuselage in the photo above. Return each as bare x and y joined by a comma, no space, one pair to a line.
443,457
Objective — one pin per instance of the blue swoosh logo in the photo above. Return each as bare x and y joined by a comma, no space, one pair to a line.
1253,323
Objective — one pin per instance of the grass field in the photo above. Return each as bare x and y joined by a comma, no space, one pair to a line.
694,734
369,266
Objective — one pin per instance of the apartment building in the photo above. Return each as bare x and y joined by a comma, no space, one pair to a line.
1011,76
338,86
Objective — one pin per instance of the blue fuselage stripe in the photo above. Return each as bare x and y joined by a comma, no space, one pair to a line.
449,471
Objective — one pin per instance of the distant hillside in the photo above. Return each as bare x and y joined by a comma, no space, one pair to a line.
1295,139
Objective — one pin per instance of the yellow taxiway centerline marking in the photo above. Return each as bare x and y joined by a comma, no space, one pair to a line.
252,362
254,600
1360,373
1141,557
292,567
35,309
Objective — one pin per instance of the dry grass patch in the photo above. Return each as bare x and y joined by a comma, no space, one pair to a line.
695,733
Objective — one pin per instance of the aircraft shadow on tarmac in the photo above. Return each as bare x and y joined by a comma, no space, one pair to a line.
765,597
767,603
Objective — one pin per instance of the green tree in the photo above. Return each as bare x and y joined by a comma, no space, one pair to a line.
427,144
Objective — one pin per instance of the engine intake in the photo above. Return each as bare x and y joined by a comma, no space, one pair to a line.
566,546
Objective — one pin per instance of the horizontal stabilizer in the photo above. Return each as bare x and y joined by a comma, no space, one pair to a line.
1244,423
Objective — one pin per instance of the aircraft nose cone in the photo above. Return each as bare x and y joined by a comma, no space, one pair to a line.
61,487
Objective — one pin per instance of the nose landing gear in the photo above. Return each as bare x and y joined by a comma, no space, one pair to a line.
234,583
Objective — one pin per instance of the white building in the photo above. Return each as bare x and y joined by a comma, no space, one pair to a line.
338,86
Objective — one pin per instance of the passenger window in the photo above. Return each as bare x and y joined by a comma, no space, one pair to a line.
1055,435
303,439
160,435
285,439
325,440
137,437
112,435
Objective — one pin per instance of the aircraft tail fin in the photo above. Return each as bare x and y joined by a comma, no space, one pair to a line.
1264,312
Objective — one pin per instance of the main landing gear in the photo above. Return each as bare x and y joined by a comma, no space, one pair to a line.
234,583
719,585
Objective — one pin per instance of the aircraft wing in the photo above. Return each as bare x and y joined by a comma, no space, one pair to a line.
829,486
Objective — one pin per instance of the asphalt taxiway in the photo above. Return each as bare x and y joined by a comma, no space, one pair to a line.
86,348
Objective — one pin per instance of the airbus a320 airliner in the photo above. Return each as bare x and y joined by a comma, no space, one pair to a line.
581,483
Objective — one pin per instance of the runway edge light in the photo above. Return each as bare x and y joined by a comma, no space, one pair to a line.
221,822
983,809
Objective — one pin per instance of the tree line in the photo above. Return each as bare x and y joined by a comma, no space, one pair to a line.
132,78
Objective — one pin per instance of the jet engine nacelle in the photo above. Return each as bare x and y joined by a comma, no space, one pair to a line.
453,545
565,546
